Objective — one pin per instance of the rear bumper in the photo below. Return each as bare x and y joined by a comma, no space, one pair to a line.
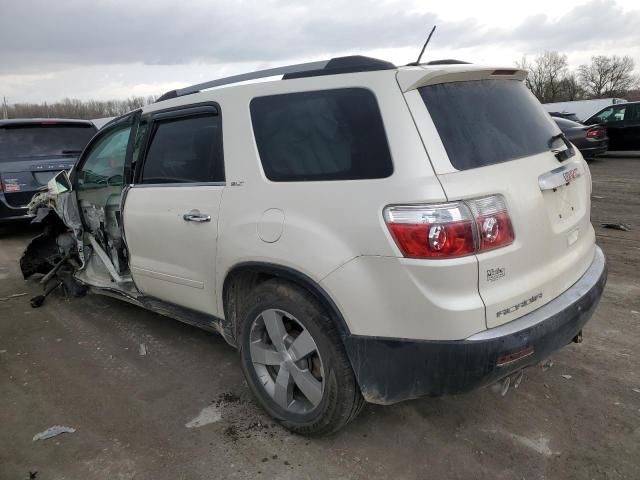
393,370
591,150
12,214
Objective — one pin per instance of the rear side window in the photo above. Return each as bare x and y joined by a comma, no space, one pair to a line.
633,115
28,141
321,135
185,150
485,122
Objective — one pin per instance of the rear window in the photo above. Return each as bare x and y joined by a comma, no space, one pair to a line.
485,122
321,135
18,141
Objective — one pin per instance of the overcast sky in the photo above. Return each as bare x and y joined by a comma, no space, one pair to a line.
51,49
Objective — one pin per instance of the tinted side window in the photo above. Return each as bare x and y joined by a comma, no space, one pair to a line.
611,115
485,122
185,150
321,135
633,114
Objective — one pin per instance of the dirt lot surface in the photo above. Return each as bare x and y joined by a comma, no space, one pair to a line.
183,411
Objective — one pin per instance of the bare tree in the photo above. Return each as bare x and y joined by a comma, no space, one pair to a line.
570,88
608,76
546,75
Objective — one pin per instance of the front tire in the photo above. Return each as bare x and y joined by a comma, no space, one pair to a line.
294,361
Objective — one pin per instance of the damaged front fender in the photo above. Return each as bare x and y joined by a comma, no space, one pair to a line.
57,210
57,252
42,253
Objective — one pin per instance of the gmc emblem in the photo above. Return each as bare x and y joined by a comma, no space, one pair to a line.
571,174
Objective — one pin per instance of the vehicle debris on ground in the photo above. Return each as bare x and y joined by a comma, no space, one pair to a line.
53,432
617,226
15,295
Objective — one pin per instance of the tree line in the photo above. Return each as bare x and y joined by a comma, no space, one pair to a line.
551,80
75,108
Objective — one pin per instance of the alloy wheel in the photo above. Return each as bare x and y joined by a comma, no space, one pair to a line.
287,362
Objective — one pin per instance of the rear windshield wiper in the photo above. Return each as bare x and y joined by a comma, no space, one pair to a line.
564,153
70,152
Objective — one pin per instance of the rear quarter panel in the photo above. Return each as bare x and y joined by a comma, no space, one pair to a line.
324,224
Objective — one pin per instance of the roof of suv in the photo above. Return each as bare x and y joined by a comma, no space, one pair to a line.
353,64
334,66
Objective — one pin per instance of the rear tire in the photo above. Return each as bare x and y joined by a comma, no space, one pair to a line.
294,361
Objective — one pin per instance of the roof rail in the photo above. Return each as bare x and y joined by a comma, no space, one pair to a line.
350,64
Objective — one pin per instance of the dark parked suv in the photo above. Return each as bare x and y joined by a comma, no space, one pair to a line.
32,151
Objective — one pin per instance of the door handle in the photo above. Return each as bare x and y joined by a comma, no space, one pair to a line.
195,216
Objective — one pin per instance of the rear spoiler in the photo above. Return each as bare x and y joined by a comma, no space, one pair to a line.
410,78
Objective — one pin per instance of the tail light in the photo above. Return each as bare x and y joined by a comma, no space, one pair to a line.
449,230
493,222
432,231
596,133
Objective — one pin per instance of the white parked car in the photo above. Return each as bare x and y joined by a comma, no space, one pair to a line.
359,232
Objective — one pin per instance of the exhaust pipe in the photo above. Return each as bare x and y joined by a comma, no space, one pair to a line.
513,380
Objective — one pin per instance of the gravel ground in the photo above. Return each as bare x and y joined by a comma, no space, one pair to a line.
183,411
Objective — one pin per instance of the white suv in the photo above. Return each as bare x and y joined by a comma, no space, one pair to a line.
359,231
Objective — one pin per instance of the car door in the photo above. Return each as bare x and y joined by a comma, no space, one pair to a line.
632,127
98,182
171,211
613,118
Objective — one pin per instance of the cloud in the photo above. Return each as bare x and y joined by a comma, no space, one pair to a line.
161,32
164,32
597,24
110,47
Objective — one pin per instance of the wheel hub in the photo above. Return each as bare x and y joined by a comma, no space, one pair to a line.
287,361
